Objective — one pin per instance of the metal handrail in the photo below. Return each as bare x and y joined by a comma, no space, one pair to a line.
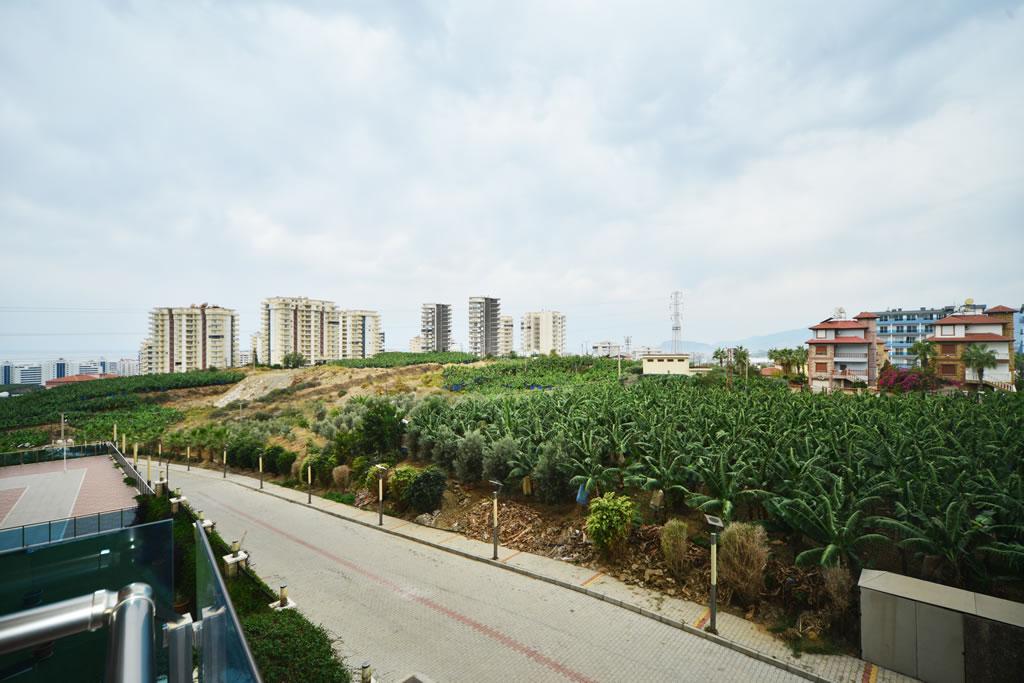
73,521
129,612
141,484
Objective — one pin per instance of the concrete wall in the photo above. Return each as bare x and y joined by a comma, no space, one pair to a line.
912,638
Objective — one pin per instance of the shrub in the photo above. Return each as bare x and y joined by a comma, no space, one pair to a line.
359,466
742,557
399,481
285,461
469,459
288,647
424,493
445,447
674,543
609,522
549,475
346,498
341,476
498,457
838,586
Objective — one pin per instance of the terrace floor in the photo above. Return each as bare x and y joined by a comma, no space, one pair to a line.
43,491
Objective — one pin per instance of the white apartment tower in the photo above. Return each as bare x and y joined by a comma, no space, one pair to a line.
192,338
505,345
436,327
484,314
298,325
542,332
360,334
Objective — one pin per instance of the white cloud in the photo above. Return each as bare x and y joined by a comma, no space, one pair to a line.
590,158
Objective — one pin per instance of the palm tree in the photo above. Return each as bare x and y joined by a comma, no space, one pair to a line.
720,355
800,358
924,350
742,359
978,358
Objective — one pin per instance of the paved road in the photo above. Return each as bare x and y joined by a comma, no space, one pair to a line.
410,608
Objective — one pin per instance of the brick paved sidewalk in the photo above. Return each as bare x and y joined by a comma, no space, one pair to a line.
735,632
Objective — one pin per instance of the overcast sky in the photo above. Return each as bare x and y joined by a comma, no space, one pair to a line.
771,160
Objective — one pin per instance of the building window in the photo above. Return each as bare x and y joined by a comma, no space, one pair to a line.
821,350
947,369
948,349
821,367
947,330
820,334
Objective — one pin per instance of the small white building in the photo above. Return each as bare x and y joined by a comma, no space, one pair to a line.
666,364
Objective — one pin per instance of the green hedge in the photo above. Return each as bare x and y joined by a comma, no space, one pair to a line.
288,647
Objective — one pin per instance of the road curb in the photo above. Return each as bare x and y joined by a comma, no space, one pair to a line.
681,625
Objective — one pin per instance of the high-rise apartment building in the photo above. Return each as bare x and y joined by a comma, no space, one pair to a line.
192,338
484,314
844,352
436,327
505,336
899,329
991,330
360,334
298,325
27,374
416,344
542,332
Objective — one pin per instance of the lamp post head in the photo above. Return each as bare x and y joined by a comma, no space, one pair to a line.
381,469
496,484
716,523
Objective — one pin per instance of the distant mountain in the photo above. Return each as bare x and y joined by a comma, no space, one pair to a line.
757,345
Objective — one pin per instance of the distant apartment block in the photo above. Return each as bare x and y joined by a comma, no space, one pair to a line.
542,332
128,367
244,357
505,336
298,325
844,352
605,348
7,372
899,329
360,334
190,338
147,357
24,374
416,344
484,316
992,330
436,327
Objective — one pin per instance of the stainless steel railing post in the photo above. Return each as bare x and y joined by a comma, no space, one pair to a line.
131,650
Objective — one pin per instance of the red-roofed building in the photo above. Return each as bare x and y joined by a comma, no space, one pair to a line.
844,353
73,379
993,330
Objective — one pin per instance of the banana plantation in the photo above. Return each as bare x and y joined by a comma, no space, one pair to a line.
935,483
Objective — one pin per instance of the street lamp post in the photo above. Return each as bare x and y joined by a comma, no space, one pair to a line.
716,524
63,442
381,471
494,517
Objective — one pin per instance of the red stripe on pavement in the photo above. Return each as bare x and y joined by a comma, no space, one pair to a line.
494,634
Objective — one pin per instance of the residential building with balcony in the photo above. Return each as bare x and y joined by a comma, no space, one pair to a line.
189,338
992,330
416,344
436,327
843,353
360,334
298,325
542,332
505,336
900,328
484,317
